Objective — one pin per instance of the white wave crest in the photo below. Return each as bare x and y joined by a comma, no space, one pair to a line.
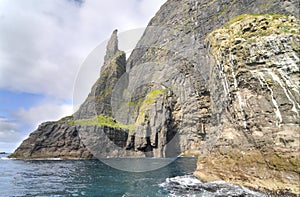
188,186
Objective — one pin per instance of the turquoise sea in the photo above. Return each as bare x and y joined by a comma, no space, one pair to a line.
94,178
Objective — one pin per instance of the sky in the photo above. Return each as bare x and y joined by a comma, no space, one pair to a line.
42,47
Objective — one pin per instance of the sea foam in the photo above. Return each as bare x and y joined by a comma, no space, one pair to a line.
189,185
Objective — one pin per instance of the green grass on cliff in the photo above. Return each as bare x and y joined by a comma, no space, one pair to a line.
250,28
102,121
67,120
273,23
150,98
247,16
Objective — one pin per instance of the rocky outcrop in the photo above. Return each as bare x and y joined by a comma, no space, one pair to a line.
112,48
99,99
58,139
217,79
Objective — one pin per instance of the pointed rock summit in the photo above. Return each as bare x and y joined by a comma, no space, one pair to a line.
99,99
112,46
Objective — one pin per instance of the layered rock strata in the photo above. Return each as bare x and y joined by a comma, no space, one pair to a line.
255,89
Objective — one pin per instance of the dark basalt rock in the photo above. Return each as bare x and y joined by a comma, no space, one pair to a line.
58,139
112,47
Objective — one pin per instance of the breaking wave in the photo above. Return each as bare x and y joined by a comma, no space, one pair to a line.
190,186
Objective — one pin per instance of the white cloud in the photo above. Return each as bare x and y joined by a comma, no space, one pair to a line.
27,120
10,136
8,130
42,113
34,47
43,43
32,117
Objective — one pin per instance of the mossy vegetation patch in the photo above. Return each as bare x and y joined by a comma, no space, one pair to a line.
102,121
150,98
143,104
250,27
67,120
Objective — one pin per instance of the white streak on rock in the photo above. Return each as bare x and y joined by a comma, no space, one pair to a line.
286,91
277,111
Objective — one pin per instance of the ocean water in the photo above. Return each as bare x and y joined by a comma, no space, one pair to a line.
94,178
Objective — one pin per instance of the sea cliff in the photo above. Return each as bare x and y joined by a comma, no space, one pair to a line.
217,79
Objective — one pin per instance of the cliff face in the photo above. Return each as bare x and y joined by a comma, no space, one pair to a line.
217,79
173,48
255,90
235,92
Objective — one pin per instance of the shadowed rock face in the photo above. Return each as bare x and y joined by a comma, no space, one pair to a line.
53,140
204,79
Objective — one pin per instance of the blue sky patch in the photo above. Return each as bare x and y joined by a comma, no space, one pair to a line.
11,101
